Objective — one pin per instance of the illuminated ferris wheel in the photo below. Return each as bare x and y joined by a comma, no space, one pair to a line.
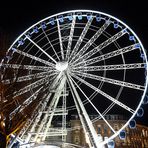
77,62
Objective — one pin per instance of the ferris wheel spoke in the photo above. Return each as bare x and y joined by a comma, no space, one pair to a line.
111,81
110,67
70,37
52,108
80,40
34,57
104,113
28,77
15,99
109,55
104,94
41,49
60,40
31,86
93,106
27,102
51,44
83,115
28,67
101,46
56,81
91,41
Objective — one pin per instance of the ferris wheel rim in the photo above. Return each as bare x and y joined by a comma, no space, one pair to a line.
121,23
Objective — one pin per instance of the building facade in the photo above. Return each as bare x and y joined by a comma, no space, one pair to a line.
135,138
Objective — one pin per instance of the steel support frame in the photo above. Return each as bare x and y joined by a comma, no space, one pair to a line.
87,125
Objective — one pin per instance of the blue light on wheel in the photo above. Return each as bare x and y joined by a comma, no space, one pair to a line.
89,16
9,57
137,46
35,29
79,16
140,112
51,21
21,41
98,18
145,100
131,38
69,16
28,34
13,49
61,18
132,124
43,25
122,135
115,25
125,30
111,144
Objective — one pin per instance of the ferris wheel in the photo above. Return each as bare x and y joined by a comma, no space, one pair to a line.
77,62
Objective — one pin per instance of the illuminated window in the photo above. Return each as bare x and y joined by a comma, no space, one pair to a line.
105,130
116,127
99,129
146,133
77,140
143,132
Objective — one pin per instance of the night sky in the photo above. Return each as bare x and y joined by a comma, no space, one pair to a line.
16,17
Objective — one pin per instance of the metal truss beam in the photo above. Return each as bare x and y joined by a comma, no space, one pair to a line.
84,118
29,77
76,48
104,94
110,67
33,57
111,81
107,55
91,41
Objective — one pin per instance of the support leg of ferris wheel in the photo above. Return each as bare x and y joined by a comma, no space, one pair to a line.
39,116
40,113
64,114
32,130
52,110
94,139
54,107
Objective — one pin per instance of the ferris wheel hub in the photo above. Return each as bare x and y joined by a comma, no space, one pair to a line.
61,65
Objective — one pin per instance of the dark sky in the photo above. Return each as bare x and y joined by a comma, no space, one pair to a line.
16,17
